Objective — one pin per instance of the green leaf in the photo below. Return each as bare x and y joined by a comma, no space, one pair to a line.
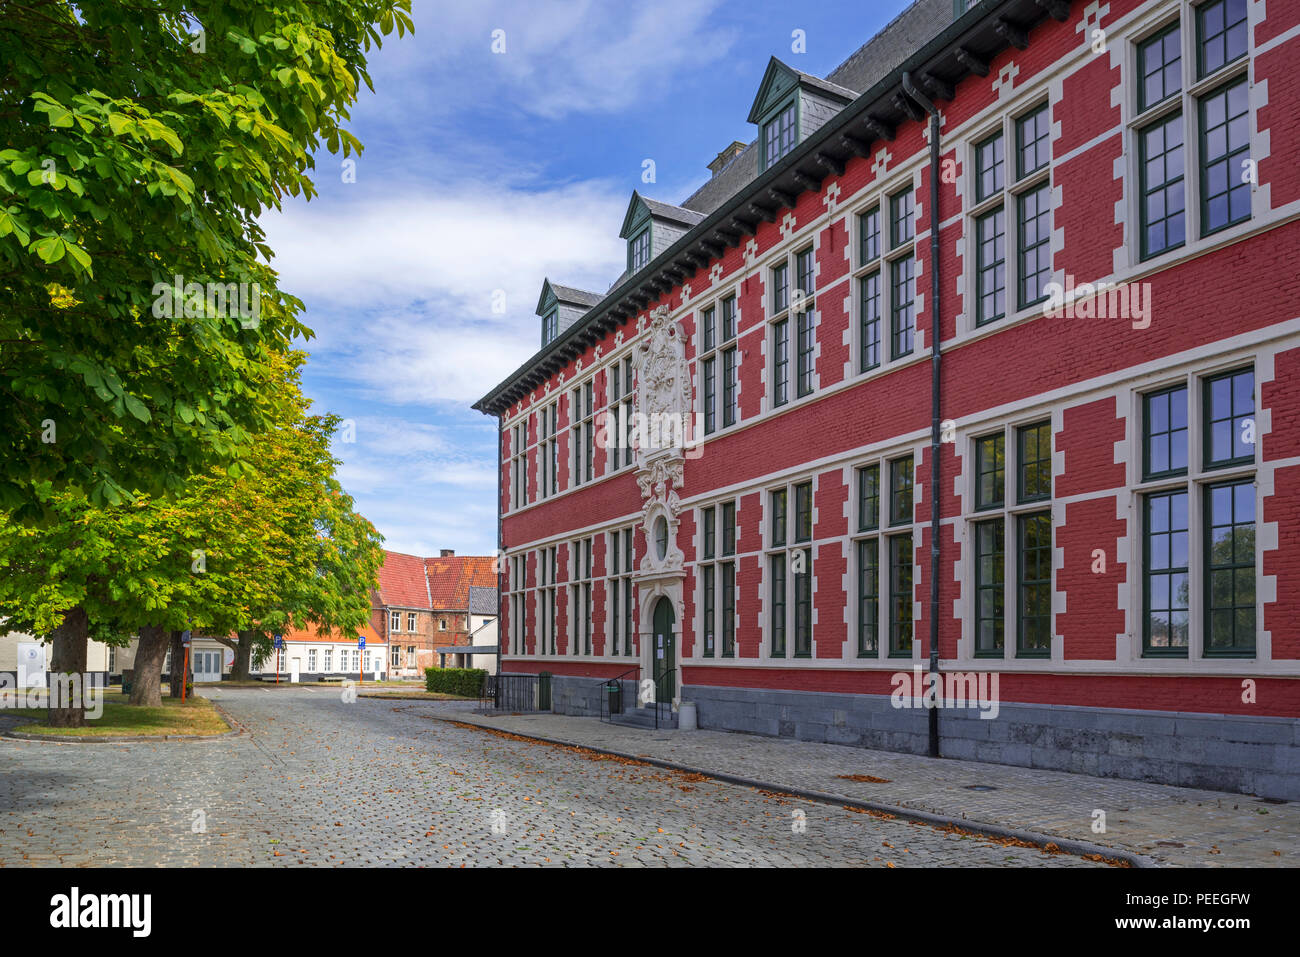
137,408
49,249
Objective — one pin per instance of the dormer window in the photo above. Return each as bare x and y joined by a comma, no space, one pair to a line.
778,135
638,251
790,107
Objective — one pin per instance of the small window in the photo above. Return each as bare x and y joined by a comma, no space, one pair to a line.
1033,142
869,235
902,219
778,136
395,621
1160,64
410,621
868,498
990,471
1221,34
1230,419
1035,442
639,251
778,500
900,491
990,167
803,512
442,624
1164,419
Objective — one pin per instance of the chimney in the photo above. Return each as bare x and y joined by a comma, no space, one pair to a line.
726,156
447,553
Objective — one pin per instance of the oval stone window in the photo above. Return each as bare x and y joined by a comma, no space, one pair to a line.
661,537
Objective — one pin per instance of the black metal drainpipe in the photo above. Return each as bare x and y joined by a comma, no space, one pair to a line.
935,313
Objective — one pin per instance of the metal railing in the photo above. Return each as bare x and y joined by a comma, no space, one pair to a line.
605,712
663,698
512,692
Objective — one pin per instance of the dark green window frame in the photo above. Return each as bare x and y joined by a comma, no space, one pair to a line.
990,589
1159,79
803,609
1033,142
869,236
710,531
805,345
779,501
777,563
730,387
902,218
902,479
708,372
780,134
869,321
638,251
728,528
1164,432
990,167
1163,223
1230,586
900,596
868,597
728,609
1225,194
728,319
707,328
1034,462
803,509
902,305
709,584
1225,42
991,266
780,287
780,363
991,471
868,498
1034,585
550,326
1166,581
1240,393
1033,245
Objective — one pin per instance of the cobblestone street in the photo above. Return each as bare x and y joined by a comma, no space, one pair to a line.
311,780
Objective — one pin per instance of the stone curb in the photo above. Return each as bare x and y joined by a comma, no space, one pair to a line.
1069,845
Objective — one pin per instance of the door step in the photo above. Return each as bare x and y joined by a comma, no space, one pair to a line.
645,718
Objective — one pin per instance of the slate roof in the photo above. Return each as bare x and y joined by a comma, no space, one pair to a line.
482,601
677,214
869,64
576,296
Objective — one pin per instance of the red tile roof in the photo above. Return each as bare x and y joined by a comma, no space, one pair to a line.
402,582
309,635
450,579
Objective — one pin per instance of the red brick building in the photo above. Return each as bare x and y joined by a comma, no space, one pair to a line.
423,604
1040,427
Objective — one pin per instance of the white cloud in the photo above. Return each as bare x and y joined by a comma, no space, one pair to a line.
561,57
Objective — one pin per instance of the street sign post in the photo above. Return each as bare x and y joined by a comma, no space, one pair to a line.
361,663
278,644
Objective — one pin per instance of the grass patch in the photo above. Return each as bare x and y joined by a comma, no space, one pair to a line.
195,716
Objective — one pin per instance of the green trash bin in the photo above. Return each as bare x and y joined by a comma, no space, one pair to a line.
615,692
544,691
128,678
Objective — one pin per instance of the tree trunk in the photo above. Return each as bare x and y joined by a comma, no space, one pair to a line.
243,646
68,671
182,670
150,652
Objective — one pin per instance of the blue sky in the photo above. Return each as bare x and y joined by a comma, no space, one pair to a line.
487,172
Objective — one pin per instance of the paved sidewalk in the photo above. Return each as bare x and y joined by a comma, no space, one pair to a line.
1174,826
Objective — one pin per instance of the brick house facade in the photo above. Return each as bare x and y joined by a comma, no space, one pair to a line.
1116,286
